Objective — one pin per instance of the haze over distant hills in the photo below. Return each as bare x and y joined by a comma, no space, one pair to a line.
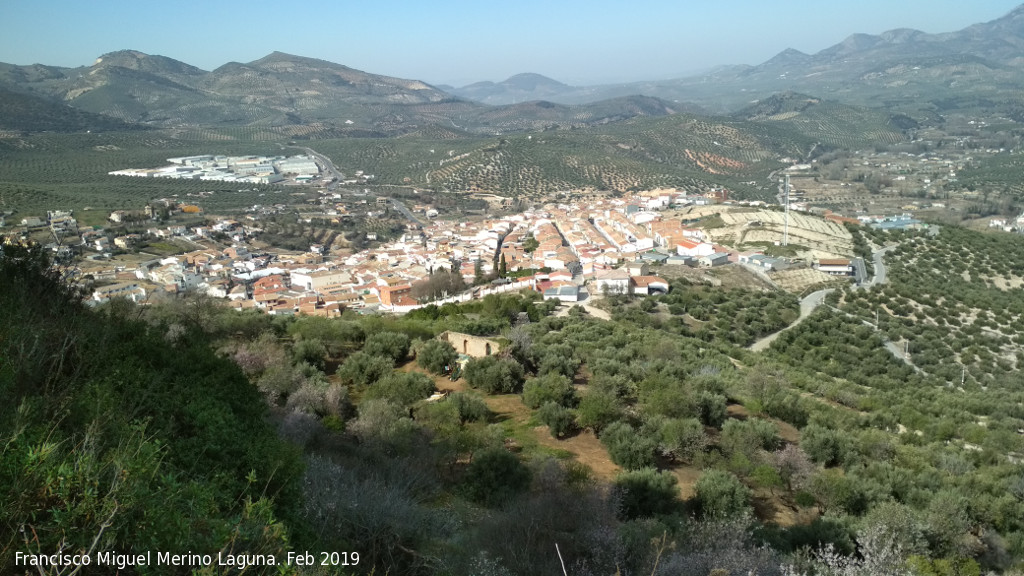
905,71
283,90
982,60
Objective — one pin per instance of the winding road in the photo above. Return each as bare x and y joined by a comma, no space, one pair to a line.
338,177
808,305
811,302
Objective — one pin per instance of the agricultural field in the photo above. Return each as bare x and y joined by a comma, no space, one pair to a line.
828,123
69,171
810,237
955,302
638,153
999,173
800,280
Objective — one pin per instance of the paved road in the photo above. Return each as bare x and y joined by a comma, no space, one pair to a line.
326,163
859,273
876,259
879,277
404,211
338,177
808,305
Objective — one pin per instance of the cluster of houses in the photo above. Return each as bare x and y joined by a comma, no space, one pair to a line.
565,252
1008,224
896,222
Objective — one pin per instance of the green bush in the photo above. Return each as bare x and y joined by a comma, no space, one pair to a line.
470,406
549,388
720,494
311,351
646,492
494,375
436,356
749,436
627,447
711,408
597,409
682,438
402,389
494,477
362,369
824,446
556,417
336,335
393,345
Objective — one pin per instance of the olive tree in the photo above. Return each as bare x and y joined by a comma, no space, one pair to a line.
436,356
721,494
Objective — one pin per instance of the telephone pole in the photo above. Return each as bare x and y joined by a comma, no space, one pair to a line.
785,235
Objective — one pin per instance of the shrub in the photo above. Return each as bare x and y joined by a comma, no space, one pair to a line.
556,417
362,369
646,492
794,467
558,361
494,477
471,407
628,448
826,447
711,408
436,356
494,375
721,494
550,388
312,352
385,426
597,409
682,439
402,389
393,345
748,436
440,417
334,334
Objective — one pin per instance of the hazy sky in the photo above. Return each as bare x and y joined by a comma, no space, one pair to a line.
462,41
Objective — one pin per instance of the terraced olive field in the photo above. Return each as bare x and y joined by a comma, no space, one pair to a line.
1001,172
954,302
793,117
69,171
51,171
679,150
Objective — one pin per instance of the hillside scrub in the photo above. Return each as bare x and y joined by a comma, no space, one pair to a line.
365,463
122,435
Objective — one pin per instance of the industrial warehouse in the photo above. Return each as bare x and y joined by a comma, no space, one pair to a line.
251,169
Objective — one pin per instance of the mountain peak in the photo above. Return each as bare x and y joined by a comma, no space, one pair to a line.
135,60
531,81
120,57
788,57
284,59
902,35
277,56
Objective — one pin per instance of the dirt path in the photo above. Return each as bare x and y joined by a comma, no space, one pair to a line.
441,382
585,448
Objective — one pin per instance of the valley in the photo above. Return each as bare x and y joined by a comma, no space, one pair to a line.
764,319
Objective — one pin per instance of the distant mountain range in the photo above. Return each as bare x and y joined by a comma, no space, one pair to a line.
518,88
904,71
904,68
131,87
